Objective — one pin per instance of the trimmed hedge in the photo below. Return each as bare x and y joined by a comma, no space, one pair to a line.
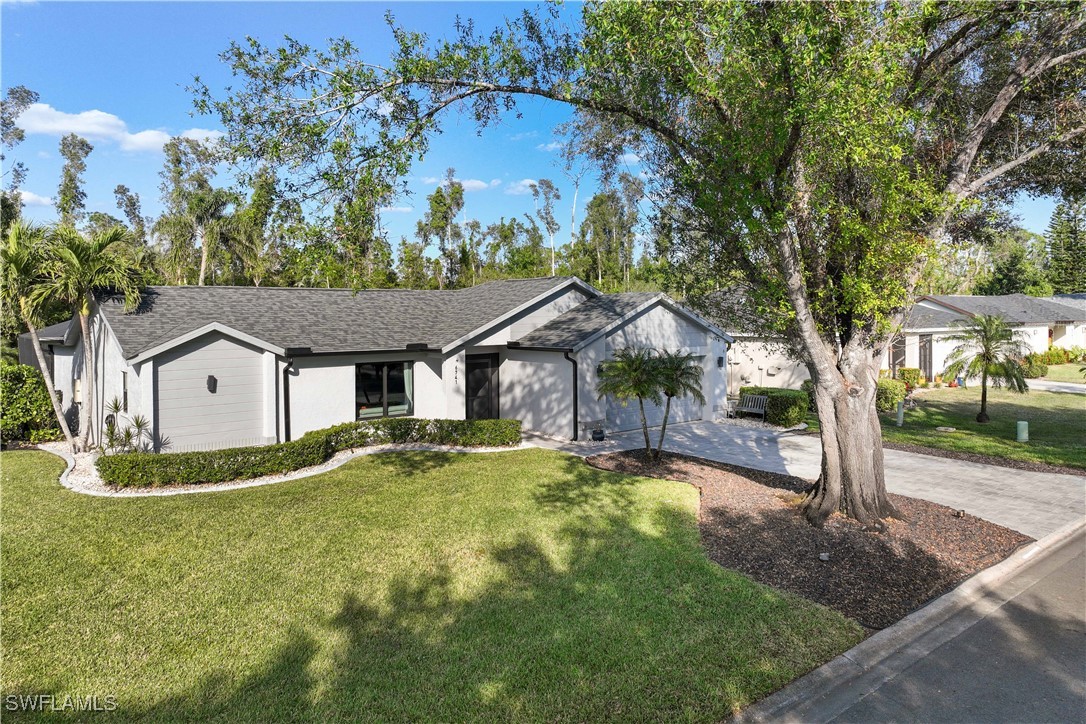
786,408
313,448
211,466
401,430
888,394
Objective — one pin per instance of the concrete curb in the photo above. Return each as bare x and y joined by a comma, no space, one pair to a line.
324,467
861,669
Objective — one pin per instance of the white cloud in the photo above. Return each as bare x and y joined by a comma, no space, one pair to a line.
469,184
549,147
520,188
32,199
43,119
397,209
43,154
630,158
523,136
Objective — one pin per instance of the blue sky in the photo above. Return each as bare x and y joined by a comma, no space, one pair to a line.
116,73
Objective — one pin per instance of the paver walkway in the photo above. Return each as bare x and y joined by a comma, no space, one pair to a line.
1053,386
1034,503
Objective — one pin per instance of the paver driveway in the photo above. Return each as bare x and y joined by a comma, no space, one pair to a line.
1034,503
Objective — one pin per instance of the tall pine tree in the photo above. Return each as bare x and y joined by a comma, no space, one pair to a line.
1066,241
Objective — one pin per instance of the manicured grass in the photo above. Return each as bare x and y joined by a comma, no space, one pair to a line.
1066,373
1057,425
517,586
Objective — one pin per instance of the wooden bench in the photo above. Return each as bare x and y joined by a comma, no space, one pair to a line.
753,404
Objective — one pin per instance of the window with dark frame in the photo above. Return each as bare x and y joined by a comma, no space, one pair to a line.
124,392
383,389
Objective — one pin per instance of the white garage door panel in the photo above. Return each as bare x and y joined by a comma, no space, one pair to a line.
621,418
190,416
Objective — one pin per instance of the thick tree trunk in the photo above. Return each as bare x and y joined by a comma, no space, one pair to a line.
88,383
645,427
852,479
44,369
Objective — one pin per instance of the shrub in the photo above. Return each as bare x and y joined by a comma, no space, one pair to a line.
808,387
1033,366
313,448
888,394
1056,356
785,408
212,466
1076,354
910,376
25,410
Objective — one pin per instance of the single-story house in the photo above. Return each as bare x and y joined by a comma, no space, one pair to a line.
214,367
1040,322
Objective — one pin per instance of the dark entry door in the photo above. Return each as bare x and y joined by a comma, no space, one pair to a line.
482,386
925,356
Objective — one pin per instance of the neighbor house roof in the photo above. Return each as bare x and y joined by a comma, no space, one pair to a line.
593,317
322,320
1015,308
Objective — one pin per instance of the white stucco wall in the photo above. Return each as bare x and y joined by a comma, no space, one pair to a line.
765,364
322,389
537,389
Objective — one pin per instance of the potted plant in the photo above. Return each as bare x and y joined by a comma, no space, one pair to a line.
597,432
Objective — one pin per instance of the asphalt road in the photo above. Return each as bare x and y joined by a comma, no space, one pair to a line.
1023,662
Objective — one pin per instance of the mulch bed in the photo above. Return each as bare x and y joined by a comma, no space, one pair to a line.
750,522
986,459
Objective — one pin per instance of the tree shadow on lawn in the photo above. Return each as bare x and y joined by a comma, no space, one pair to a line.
626,619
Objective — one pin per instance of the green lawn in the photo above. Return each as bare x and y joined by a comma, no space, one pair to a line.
1057,424
518,586
1066,373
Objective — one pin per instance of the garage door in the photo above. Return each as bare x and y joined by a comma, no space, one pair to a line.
620,418
197,415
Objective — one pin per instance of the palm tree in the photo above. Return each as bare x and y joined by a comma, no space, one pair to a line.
633,373
680,376
989,350
22,258
76,268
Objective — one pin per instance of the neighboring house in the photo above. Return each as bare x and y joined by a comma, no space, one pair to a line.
1040,322
215,367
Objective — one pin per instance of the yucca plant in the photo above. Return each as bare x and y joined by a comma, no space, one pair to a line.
988,349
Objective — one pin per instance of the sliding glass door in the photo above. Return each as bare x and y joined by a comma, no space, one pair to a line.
383,389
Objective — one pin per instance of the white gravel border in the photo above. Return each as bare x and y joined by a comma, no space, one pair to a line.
81,475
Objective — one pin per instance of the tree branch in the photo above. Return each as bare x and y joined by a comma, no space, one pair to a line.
995,173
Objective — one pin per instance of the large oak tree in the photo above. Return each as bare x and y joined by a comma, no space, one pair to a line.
811,152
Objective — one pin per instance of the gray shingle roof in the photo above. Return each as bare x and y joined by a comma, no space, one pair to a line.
54,332
1015,308
921,317
567,330
325,320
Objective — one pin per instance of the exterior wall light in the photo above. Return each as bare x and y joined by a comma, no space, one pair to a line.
212,384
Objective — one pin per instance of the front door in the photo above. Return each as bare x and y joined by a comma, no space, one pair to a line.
481,372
